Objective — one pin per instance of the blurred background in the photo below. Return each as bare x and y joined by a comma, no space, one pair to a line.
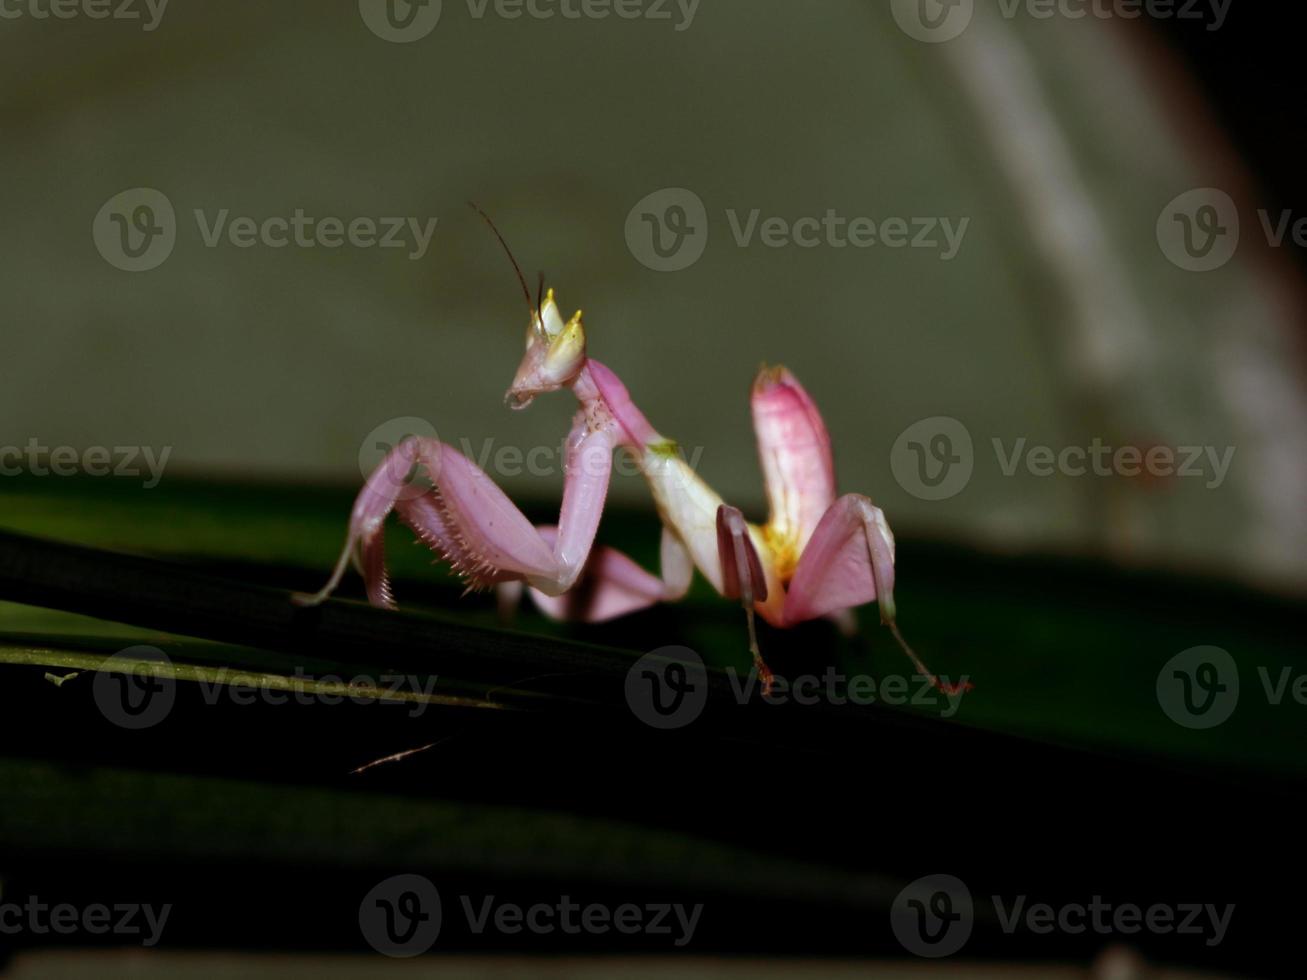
1039,264
1022,179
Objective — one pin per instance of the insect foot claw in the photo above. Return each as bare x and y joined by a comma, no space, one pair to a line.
953,690
948,690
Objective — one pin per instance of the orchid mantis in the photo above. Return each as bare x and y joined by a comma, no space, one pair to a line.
817,555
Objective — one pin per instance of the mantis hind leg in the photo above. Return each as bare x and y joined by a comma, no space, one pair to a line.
849,561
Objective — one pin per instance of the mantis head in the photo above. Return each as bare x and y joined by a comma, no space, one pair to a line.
555,350
555,354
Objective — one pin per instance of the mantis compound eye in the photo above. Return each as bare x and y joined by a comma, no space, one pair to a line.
566,354
553,359
550,319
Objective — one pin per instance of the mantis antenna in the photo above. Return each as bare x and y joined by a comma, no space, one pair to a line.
521,279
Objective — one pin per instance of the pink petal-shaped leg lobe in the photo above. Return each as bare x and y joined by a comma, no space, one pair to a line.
795,451
850,561
837,569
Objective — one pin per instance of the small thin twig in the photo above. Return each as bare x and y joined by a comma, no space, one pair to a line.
399,756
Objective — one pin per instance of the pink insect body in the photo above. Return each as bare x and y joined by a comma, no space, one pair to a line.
818,555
